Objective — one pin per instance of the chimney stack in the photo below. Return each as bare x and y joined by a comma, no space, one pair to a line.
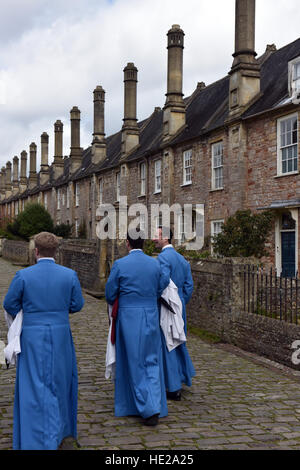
58,164
8,189
2,183
23,177
15,183
130,129
98,144
44,172
245,71
174,109
32,168
76,150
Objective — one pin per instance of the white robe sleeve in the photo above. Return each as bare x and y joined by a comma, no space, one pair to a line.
110,360
13,347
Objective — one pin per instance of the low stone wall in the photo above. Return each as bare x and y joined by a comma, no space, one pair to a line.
15,251
217,306
82,256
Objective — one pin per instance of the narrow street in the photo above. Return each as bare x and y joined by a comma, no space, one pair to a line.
235,402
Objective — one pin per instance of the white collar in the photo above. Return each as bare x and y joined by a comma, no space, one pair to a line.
167,246
135,249
45,258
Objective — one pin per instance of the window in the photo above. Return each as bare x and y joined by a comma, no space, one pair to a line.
77,194
216,228
90,194
181,231
46,201
58,198
157,222
287,132
68,197
142,222
118,184
217,165
157,176
143,178
76,227
63,198
16,207
294,77
187,167
100,191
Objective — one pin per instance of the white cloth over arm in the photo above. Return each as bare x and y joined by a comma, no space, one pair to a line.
172,324
13,347
110,361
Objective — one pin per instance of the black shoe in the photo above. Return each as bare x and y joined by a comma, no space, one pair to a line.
176,396
152,420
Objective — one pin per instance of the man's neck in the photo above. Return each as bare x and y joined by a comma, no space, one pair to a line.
167,245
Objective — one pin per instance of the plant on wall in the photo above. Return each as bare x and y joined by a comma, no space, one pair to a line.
244,234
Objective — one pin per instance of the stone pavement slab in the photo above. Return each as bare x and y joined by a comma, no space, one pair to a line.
237,400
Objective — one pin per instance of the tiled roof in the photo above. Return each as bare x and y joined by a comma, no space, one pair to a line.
206,110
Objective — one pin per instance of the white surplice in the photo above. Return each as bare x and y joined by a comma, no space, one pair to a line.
172,324
13,347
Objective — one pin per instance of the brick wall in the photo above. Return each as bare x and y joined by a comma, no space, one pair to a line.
16,251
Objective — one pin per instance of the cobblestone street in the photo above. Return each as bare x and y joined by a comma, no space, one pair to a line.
237,401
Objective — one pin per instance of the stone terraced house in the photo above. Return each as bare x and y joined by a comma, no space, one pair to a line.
231,145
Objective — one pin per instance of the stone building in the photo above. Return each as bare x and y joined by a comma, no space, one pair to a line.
230,145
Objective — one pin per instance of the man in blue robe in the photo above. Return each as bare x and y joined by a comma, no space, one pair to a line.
139,382
45,405
178,366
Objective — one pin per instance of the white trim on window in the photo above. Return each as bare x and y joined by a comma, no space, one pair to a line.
142,179
187,167
215,229
118,186
157,175
287,145
68,197
100,190
217,179
58,198
77,194
294,76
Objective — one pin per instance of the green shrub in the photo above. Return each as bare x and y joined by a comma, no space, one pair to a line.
34,219
63,230
244,234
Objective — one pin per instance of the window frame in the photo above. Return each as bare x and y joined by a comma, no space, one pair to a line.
143,178
214,167
291,70
157,177
77,195
58,195
118,186
280,147
212,231
187,156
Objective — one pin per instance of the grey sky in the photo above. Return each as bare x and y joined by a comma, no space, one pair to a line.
54,53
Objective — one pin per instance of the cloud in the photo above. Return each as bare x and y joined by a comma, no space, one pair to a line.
53,55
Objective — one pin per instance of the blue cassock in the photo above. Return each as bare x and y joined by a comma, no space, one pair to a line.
45,405
178,367
139,381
